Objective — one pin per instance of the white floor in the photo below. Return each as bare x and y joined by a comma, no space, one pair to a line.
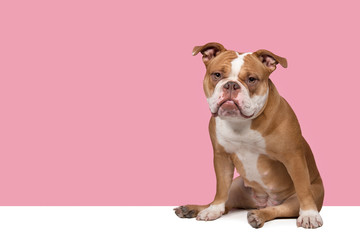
104,223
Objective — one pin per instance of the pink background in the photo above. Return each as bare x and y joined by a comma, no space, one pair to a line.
101,102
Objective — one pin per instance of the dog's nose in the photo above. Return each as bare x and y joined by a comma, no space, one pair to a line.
232,86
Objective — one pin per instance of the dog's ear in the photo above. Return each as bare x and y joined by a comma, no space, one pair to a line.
270,60
209,51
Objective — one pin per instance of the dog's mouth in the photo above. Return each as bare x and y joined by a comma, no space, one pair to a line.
229,107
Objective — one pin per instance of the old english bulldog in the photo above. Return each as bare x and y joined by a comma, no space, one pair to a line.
254,130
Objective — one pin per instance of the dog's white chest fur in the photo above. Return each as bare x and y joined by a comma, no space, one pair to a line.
247,144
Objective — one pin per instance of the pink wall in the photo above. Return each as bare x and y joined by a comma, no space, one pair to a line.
101,103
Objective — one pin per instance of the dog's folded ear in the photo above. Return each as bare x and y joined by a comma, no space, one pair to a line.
270,60
209,51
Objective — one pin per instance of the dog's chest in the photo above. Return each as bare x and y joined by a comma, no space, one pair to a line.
245,143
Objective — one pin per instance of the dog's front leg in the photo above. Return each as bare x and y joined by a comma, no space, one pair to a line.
224,170
299,173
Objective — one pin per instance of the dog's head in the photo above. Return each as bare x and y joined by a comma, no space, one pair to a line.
236,84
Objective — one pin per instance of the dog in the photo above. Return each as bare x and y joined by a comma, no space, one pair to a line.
255,131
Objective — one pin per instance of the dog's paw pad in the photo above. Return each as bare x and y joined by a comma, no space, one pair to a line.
255,220
184,212
309,219
211,213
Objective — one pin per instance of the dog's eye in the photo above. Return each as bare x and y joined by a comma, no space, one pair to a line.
216,76
252,80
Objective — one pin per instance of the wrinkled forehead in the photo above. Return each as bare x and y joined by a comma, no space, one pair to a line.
227,61
223,61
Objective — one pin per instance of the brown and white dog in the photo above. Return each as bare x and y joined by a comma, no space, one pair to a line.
254,130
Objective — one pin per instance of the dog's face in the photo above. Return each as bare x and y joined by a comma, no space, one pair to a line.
236,84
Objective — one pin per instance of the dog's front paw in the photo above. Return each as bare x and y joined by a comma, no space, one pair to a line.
309,219
211,213
185,212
